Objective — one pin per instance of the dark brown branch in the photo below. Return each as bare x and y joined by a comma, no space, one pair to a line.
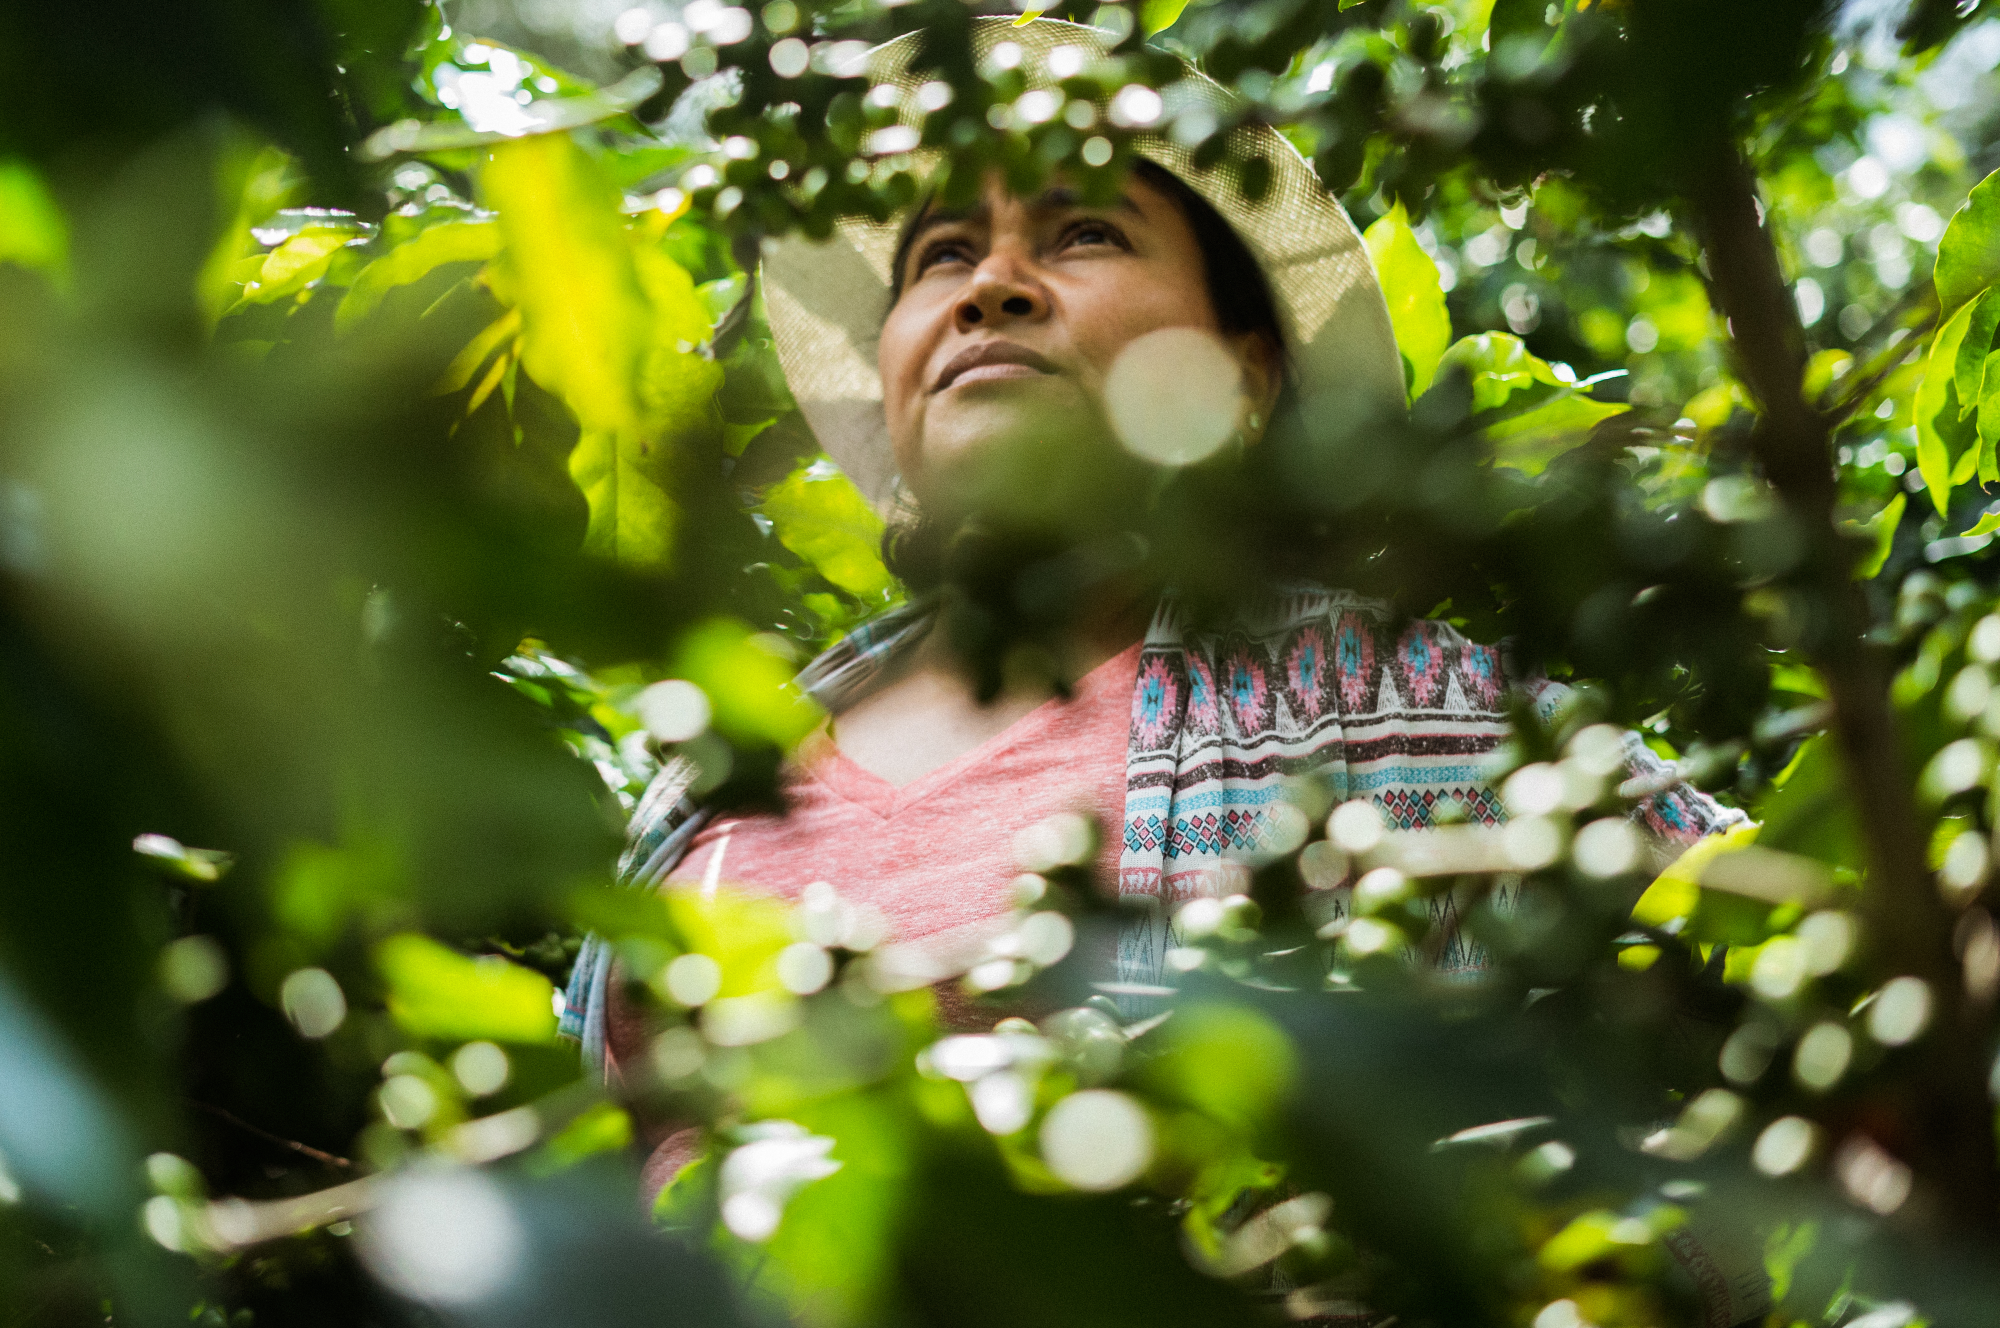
304,1150
1951,1144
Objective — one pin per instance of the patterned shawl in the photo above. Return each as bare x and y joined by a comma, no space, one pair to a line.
1307,681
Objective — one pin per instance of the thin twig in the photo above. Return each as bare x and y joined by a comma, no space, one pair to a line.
306,1150
1889,359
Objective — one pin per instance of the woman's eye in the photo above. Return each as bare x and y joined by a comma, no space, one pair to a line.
1094,232
936,253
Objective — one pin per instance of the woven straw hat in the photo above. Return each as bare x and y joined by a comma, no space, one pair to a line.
826,300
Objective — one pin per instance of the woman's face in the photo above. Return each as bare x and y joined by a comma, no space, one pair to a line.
1011,315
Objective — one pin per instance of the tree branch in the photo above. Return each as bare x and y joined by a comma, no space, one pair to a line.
306,1150
1951,1142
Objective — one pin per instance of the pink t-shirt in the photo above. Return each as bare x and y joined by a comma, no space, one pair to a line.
936,856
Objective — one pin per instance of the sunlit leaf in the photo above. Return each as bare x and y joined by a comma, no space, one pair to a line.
608,332
434,991
1988,523
254,185
478,350
1157,16
544,115
569,269
1676,891
823,518
1500,365
741,931
298,262
451,242
1940,430
1968,258
1416,300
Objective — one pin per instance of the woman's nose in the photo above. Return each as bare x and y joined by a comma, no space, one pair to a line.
999,291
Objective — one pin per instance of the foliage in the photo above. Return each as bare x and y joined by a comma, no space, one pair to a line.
389,432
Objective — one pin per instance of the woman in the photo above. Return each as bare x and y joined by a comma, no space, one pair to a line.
932,356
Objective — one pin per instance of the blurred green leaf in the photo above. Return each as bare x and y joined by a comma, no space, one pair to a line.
57,1130
600,1128
434,991
1881,529
741,931
748,678
1227,1061
33,232
822,517
1416,301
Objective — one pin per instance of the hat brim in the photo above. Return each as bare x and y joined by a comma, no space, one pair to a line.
826,299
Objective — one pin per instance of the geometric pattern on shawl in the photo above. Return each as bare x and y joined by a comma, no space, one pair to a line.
1325,683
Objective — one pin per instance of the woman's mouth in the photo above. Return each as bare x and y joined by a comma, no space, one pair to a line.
991,362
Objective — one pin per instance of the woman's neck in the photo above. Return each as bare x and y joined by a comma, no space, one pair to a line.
926,712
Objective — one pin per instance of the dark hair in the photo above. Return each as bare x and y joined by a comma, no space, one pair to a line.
1237,290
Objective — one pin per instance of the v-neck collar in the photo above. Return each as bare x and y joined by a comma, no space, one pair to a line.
821,758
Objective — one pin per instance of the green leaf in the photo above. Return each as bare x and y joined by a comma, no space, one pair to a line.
1968,258
1938,418
1881,528
33,233
609,327
434,991
1156,16
1988,523
1969,364
1963,468
1500,366
568,266
823,518
451,242
1529,441
1988,420
1416,300
297,263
